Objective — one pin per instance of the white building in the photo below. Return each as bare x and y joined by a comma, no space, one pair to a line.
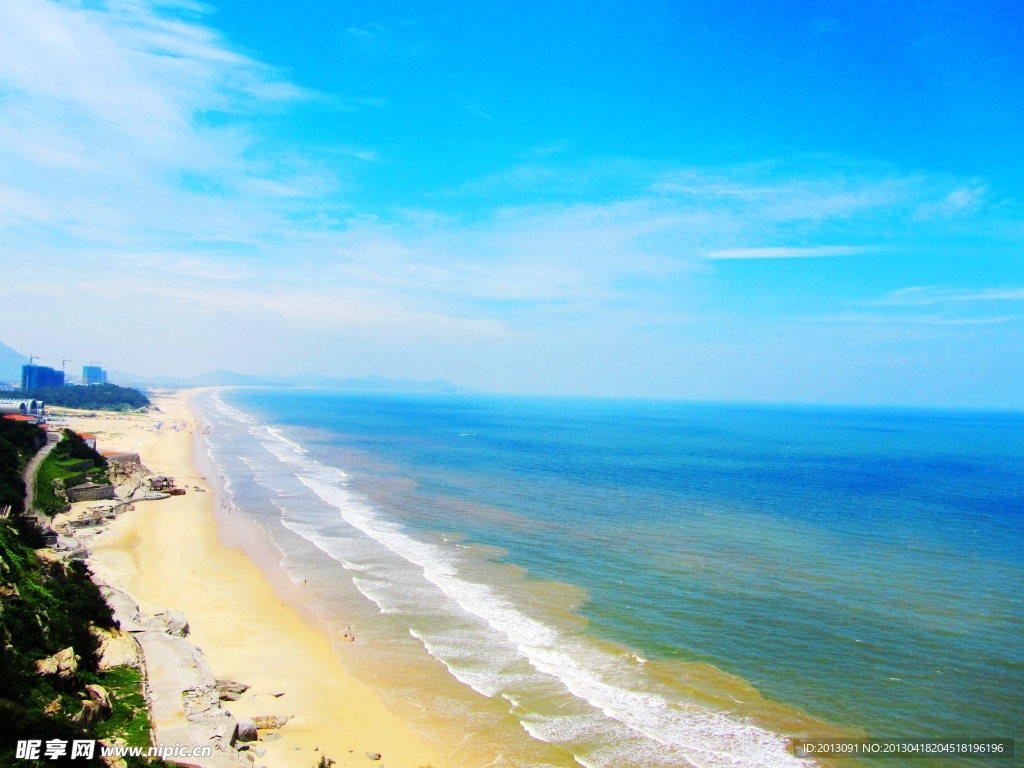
21,407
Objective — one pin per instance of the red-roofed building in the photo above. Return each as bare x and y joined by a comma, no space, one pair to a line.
90,440
19,417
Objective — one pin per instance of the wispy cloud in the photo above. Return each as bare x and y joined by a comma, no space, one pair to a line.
104,106
137,176
379,41
928,295
956,203
788,253
476,110
931,319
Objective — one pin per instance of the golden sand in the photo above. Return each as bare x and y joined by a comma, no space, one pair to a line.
172,554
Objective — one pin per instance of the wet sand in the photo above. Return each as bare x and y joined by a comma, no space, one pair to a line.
176,553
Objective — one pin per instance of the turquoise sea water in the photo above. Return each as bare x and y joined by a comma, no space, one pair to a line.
619,583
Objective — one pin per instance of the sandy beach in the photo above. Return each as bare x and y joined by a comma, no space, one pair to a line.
176,553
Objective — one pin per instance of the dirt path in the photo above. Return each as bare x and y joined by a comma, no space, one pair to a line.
29,475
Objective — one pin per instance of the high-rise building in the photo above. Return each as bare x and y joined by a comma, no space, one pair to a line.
93,374
35,376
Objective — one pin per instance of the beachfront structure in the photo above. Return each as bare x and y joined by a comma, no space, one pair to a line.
21,407
30,419
93,374
89,440
35,376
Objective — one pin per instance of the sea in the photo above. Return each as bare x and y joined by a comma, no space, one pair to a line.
617,584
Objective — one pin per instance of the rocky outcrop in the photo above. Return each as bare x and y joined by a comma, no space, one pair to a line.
62,665
229,690
174,623
128,488
246,730
99,696
143,495
183,696
59,491
208,722
127,475
117,648
96,708
9,592
87,715
268,722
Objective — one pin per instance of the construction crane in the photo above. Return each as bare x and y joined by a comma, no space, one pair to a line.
63,361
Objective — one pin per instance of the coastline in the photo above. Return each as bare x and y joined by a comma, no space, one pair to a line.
288,466
178,553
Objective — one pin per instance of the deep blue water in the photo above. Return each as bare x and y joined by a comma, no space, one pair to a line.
864,566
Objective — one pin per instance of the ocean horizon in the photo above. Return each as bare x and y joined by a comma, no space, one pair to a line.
563,581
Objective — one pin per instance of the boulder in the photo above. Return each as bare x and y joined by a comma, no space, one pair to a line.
229,690
10,592
144,495
63,664
117,648
87,715
99,696
267,722
127,488
246,730
58,490
174,622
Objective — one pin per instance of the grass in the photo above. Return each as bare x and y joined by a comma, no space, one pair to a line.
46,607
54,468
130,717
51,469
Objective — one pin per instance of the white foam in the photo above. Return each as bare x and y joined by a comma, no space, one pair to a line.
497,650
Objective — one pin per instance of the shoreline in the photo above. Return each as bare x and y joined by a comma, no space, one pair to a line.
185,553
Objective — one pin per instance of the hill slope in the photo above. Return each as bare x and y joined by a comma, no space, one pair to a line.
10,364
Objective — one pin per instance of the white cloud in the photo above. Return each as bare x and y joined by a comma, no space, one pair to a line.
100,119
478,111
959,201
933,319
926,295
788,253
197,242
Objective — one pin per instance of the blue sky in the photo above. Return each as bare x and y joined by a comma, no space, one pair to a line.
815,202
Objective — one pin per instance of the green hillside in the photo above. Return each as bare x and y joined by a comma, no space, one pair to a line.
100,397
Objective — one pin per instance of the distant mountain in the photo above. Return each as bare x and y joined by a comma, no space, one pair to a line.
10,365
222,378
11,362
372,383
218,378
